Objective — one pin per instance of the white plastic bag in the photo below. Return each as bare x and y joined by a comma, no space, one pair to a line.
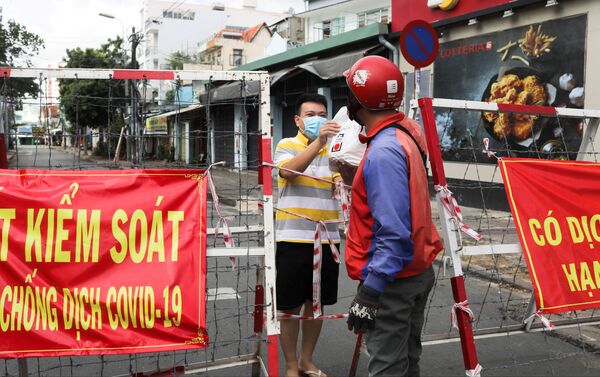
345,146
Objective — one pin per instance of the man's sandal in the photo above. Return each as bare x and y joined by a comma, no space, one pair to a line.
311,373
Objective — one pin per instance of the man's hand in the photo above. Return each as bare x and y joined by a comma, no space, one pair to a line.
329,129
347,171
363,310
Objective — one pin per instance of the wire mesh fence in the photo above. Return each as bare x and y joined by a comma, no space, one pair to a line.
228,125
84,130
470,138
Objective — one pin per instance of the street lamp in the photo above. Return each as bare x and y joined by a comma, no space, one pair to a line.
108,15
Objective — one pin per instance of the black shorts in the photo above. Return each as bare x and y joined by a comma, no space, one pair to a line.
294,262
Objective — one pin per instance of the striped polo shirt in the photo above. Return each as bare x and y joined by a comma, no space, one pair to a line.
305,196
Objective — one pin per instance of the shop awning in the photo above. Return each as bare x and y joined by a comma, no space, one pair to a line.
179,111
333,67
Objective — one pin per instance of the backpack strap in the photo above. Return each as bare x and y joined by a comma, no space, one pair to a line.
403,129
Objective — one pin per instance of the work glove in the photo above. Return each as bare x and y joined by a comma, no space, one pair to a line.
363,310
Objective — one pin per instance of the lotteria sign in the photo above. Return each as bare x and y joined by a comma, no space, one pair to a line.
446,11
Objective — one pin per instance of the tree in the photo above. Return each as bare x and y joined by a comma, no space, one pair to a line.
17,47
177,59
85,102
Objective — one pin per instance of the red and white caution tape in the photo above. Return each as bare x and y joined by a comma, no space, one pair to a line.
548,325
303,174
281,315
318,255
474,372
341,193
464,306
449,202
227,235
486,149
321,225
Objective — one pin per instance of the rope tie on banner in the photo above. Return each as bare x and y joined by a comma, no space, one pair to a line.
486,149
222,222
464,306
474,372
450,204
548,325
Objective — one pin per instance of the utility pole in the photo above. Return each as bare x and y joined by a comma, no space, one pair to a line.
135,150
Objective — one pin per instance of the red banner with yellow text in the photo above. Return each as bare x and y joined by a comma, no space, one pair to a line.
102,262
556,208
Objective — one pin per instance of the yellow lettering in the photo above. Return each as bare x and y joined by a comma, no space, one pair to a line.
34,234
16,313
95,308
28,308
137,255
5,297
575,229
68,308
586,277
52,315
86,235
157,238
85,317
41,304
175,217
122,311
594,227
111,297
50,235
535,225
6,215
149,307
62,235
571,276
132,304
118,256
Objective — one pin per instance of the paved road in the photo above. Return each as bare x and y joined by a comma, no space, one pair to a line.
230,324
44,157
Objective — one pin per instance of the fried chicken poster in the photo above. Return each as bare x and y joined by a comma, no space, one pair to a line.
540,64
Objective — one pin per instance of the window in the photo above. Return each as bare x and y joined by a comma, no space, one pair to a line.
333,27
373,16
237,58
187,15
326,29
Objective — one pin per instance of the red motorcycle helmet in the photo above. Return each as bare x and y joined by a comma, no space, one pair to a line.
376,83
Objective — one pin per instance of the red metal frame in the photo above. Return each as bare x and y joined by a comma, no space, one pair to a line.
259,302
136,74
433,142
513,108
465,328
273,350
458,284
265,171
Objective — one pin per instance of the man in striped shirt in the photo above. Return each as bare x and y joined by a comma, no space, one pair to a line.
308,153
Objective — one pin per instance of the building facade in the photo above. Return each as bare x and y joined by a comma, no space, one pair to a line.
170,27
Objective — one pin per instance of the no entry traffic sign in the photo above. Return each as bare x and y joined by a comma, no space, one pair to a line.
419,43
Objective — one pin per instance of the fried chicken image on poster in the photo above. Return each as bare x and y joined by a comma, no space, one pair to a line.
541,64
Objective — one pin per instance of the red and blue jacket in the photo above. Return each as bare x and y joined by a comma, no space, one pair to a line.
391,234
